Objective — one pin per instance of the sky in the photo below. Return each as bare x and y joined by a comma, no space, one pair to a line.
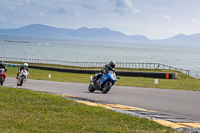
155,19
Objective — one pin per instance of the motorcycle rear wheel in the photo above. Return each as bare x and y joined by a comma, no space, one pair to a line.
106,87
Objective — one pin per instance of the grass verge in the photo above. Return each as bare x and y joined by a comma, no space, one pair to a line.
184,82
28,111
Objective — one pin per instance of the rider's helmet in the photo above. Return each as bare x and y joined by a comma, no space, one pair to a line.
1,62
25,64
112,64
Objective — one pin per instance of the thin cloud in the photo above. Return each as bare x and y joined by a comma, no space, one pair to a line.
129,4
11,8
195,21
166,17
3,19
124,6
41,14
37,14
28,2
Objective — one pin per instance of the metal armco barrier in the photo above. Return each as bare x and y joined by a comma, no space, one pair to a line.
119,73
154,66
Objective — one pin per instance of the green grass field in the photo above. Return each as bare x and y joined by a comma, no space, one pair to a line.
28,111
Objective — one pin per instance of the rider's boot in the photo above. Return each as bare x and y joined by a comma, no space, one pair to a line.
93,80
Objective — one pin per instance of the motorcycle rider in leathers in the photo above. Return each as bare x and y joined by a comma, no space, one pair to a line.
108,67
3,66
21,68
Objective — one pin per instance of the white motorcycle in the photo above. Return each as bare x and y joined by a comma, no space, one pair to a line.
22,77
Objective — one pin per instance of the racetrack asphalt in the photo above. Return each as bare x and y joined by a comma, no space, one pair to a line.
179,103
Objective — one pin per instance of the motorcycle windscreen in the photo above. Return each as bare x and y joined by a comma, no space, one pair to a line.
112,76
1,71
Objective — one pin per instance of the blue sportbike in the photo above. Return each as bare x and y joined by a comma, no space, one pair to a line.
104,83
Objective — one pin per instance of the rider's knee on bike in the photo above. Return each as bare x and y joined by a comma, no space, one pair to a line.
17,75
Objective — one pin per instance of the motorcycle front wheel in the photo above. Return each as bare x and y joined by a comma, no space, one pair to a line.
1,80
21,81
91,88
106,87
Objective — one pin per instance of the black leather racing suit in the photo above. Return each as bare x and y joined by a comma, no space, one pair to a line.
105,69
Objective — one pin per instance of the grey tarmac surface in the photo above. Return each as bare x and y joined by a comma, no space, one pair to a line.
184,104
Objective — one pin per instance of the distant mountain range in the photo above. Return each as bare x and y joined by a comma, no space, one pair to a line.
104,34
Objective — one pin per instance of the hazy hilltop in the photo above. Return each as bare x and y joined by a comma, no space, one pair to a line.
183,39
82,33
104,34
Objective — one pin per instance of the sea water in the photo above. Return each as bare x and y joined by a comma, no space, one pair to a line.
183,57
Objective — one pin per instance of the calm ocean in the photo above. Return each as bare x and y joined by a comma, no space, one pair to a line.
183,57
